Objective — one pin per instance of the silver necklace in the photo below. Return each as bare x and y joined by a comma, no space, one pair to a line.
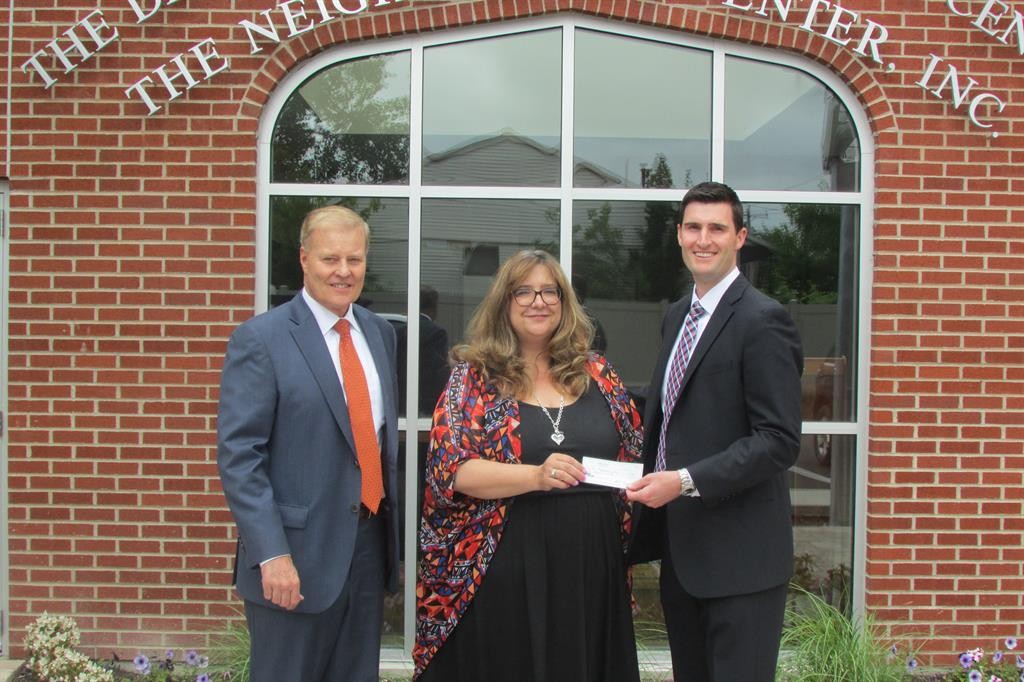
557,435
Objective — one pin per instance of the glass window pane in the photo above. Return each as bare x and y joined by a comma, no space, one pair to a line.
785,130
465,240
387,263
638,126
627,267
347,124
805,256
492,111
821,487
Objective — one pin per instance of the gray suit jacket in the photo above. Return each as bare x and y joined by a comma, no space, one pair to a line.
287,456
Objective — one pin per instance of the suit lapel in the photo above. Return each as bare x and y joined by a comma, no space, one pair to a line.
723,311
310,341
380,358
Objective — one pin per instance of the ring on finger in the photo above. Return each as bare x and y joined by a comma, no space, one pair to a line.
554,473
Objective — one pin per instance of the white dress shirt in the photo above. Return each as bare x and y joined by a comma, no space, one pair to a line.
326,320
709,302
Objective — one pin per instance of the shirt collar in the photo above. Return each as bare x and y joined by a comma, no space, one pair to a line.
325,319
714,295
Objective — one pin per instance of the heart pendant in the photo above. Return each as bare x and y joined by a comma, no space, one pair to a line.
558,437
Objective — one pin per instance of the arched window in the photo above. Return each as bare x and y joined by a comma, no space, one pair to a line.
580,136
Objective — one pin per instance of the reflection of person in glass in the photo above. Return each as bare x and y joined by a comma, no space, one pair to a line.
722,427
433,351
522,575
600,342
433,345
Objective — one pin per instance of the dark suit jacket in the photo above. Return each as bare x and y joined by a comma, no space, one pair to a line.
434,368
736,429
287,456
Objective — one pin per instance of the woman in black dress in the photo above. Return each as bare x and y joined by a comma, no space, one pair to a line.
523,574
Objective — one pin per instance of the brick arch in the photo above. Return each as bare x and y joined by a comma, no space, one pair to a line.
711,21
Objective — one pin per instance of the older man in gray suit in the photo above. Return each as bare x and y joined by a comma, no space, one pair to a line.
307,449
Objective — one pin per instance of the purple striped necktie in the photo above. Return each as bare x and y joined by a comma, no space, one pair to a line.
675,376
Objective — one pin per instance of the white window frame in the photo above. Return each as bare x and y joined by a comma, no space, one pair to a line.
566,194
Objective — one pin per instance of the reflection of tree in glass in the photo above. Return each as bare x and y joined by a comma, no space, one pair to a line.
657,265
651,272
804,261
601,263
337,128
286,215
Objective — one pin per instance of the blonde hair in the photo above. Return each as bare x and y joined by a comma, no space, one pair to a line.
339,216
493,348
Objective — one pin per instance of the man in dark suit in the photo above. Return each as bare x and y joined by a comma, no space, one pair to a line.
722,425
433,344
307,447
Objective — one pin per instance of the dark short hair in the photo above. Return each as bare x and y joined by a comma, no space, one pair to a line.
714,193
428,298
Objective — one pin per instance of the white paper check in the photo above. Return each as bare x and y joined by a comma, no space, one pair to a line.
611,474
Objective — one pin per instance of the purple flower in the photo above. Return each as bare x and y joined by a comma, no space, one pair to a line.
1020,661
141,663
966,660
203,662
911,664
202,677
997,656
892,651
169,655
1011,642
192,657
975,676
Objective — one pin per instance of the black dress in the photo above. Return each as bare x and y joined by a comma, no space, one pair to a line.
553,605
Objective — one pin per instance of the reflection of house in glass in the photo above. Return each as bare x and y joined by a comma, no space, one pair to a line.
507,158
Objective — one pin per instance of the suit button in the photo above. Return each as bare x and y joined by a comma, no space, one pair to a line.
354,508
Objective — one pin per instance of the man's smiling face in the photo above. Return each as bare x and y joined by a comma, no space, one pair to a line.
334,265
709,242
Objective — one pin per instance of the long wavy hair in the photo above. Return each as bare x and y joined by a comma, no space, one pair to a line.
493,348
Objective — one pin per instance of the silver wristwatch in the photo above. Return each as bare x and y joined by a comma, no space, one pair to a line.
686,483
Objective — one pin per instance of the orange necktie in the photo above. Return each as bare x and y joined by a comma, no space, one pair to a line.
359,414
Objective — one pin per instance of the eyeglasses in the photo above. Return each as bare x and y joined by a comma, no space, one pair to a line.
525,296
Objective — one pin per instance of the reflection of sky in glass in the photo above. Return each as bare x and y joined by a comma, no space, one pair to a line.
483,87
775,127
637,98
621,82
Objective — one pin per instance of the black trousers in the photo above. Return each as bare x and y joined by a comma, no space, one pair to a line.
721,639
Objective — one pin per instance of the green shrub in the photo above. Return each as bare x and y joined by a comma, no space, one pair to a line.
821,644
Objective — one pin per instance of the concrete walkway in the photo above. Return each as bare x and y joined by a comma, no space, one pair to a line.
7,668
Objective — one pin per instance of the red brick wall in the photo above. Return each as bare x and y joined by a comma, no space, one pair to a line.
132,257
